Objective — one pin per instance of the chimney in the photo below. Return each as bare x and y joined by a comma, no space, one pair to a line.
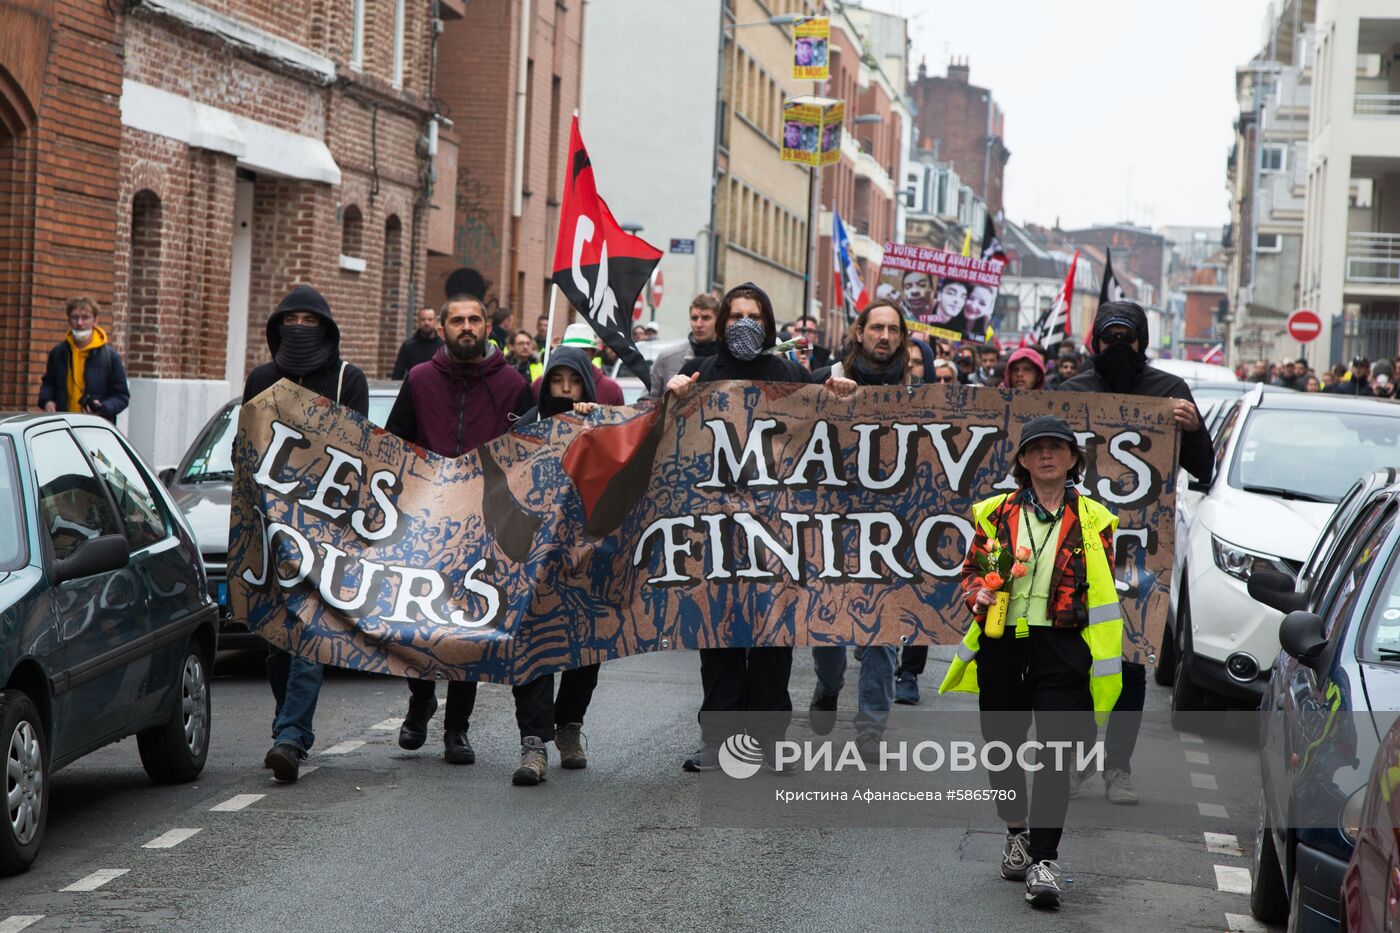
957,71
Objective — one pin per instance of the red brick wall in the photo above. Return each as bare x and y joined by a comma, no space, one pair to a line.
954,112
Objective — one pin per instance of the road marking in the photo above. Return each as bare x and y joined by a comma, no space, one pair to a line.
236,803
1212,809
1197,758
1223,844
1191,737
171,839
388,725
19,922
307,769
1232,879
343,748
97,879
1243,923
1204,781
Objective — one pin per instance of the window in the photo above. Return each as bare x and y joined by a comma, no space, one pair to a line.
1272,158
398,43
12,549
352,240
357,35
73,508
1294,453
1268,242
136,501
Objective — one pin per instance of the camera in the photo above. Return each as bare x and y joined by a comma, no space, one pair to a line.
86,403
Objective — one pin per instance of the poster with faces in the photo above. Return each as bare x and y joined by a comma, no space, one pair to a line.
941,293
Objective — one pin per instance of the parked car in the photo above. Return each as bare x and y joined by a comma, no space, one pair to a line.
202,486
1371,886
106,626
1194,372
1283,461
1334,691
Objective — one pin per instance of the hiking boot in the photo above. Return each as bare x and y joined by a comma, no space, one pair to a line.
705,758
822,711
906,690
456,749
285,761
569,740
534,762
1118,788
1043,885
414,731
1016,855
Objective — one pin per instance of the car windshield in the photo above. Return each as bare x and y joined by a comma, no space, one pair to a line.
211,458
12,550
1313,455
1380,641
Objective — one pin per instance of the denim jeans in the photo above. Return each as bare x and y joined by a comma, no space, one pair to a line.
876,682
296,683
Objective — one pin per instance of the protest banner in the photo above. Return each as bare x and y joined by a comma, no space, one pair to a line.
810,42
942,294
744,515
812,130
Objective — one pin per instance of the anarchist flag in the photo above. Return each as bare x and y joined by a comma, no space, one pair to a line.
598,266
1110,290
1055,322
991,243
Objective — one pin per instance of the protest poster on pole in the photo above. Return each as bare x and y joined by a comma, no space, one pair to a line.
812,130
811,41
943,294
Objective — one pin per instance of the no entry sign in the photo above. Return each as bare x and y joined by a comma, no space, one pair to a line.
1304,325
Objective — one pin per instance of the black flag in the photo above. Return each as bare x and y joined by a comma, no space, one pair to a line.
1110,290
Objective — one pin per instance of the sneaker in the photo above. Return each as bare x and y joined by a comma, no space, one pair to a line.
1043,885
569,740
414,731
534,762
285,761
906,690
1118,787
822,711
1079,778
456,749
1016,855
868,747
705,758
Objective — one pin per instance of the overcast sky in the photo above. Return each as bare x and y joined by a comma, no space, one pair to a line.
1114,110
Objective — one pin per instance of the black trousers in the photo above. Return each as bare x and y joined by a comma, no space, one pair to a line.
538,710
912,659
1044,677
461,700
746,690
1120,738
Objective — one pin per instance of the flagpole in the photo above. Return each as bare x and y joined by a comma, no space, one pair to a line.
549,330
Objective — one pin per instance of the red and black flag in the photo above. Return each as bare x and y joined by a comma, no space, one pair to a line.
600,267
1110,290
992,249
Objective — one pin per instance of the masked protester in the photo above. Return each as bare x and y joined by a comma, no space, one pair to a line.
1120,365
305,343
749,682
700,344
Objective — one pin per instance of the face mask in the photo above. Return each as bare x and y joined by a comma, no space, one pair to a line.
303,349
744,338
82,336
1120,366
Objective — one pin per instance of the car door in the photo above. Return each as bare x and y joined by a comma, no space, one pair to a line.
169,574
98,669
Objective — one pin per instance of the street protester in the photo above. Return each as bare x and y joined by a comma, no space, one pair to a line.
1025,370
966,362
1066,368
581,335
877,355
744,680
818,356
1118,339
420,347
305,343
988,373
522,357
84,372
541,715
463,397
1051,651
700,343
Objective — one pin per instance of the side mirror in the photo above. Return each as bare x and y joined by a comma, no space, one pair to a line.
166,476
1275,590
1301,636
94,556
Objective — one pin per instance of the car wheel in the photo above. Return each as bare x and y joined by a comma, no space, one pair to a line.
1187,698
174,752
26,783
1267,901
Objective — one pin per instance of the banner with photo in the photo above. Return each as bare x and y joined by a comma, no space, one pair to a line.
943,294
812,130
744,515
811,41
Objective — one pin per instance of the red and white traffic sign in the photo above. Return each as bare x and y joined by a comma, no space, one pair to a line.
1304,325
638,308
657,283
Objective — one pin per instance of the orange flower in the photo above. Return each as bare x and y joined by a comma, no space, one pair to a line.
1023,553
993,581
1018,570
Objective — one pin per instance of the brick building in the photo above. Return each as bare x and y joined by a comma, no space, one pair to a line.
966,126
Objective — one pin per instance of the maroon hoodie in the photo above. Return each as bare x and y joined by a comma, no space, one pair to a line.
1030,355
451,408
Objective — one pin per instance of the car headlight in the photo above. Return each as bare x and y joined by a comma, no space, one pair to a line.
1240,563
1351,815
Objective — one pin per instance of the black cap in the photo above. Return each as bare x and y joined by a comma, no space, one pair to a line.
1360,361
1046,426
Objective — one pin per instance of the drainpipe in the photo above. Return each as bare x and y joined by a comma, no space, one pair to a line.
517,207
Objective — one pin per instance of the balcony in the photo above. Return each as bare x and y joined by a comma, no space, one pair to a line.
1373,258
1377,105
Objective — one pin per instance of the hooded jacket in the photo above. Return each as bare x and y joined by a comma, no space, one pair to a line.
104,376
325,380
549,406
1197,454
1030,355
451,408
766,367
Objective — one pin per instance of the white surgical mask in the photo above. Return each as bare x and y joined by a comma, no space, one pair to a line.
81,336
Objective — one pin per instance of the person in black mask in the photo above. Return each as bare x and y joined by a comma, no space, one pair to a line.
305,344
744,681
1120,365
701,343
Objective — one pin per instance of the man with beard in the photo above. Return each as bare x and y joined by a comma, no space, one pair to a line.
700,344
463,397
420,347
1120,365
305,344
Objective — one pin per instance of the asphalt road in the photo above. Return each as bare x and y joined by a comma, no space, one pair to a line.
381,839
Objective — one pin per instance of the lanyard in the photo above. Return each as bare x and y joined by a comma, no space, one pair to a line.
1049,532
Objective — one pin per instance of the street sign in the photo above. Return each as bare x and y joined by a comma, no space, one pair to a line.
638,308
1304,325
657,283
683,247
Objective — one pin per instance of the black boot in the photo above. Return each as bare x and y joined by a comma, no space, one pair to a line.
414,731
285,762
456,749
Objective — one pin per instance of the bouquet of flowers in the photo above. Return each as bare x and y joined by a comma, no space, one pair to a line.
998,565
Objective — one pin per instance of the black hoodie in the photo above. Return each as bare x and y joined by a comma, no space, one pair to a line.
766,367
326,379
549,405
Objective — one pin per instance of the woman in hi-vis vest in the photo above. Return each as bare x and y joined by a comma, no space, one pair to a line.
1045,639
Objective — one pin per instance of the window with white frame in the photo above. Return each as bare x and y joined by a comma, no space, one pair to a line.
398,42
1268,242
357,35
1272,158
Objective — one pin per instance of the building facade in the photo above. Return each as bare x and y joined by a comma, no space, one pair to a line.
966,127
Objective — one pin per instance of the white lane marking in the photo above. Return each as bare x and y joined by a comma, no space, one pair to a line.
307,769
1232,879
171,839
1212,809
1191,737
1204,781
97,879
388,725
1244,923
236,803
1197,758
1223,844
19,922
343,747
